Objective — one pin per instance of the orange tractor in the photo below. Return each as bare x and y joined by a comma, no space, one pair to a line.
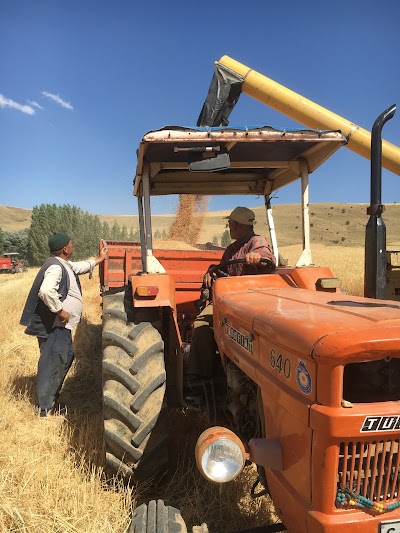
311,383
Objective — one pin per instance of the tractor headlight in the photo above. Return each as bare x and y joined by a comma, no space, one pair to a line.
220,454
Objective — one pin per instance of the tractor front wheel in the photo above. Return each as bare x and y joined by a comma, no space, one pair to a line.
134,384
156,517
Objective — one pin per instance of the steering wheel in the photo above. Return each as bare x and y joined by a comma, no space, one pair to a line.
216,272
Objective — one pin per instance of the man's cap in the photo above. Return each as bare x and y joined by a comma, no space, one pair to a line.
243,215
58,240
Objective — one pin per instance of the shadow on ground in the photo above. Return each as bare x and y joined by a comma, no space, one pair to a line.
81,395
25,386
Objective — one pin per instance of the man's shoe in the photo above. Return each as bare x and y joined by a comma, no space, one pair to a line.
60,409
43,413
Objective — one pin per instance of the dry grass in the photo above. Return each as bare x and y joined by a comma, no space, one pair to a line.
346,263
51,476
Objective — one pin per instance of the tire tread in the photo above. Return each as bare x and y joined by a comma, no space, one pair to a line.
134,385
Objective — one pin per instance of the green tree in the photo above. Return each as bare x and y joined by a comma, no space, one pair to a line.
38,249
164,233
75,227
215,240
124,233
52,217
16,241
84,229
225,239
65,214
81,234
1,242
105,231
115,232
95,237
157,234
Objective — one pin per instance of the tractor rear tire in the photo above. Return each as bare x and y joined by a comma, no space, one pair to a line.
156,517
134,385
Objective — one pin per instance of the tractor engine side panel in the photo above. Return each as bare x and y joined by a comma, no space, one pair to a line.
287,383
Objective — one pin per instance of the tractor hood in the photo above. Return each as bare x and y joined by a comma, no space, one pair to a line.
331,328
260,159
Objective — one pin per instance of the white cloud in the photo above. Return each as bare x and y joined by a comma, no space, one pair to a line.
7,102
34,104
58,100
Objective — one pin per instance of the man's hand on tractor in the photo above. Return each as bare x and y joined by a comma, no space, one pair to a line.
102,255
253,258
207,280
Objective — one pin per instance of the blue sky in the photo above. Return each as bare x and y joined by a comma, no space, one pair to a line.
82,81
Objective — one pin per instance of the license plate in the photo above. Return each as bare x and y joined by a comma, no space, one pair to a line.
390,526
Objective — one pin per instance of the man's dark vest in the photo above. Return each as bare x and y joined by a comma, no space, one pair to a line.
36,316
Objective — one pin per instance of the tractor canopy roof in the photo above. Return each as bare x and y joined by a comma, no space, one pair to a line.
229,160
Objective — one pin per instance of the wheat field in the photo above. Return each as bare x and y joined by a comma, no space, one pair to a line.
51,470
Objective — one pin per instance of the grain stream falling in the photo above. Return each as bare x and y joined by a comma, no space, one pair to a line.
189,218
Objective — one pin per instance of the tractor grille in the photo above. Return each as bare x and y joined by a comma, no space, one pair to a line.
371,469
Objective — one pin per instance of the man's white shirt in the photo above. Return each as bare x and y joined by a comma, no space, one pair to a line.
50,296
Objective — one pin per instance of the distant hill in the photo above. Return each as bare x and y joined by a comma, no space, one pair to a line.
14,218
331,223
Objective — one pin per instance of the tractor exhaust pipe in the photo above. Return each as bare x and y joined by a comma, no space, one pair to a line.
375,233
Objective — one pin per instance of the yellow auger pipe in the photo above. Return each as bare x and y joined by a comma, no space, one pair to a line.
310,114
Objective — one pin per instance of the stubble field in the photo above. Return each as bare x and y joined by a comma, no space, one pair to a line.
51,471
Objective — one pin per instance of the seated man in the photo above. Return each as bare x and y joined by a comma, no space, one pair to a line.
247,245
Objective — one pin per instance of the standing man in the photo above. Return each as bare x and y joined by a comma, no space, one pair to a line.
203,362
52,310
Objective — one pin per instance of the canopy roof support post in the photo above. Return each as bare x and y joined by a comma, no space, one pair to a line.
147,211
142,234
271,227
305,258
153,266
